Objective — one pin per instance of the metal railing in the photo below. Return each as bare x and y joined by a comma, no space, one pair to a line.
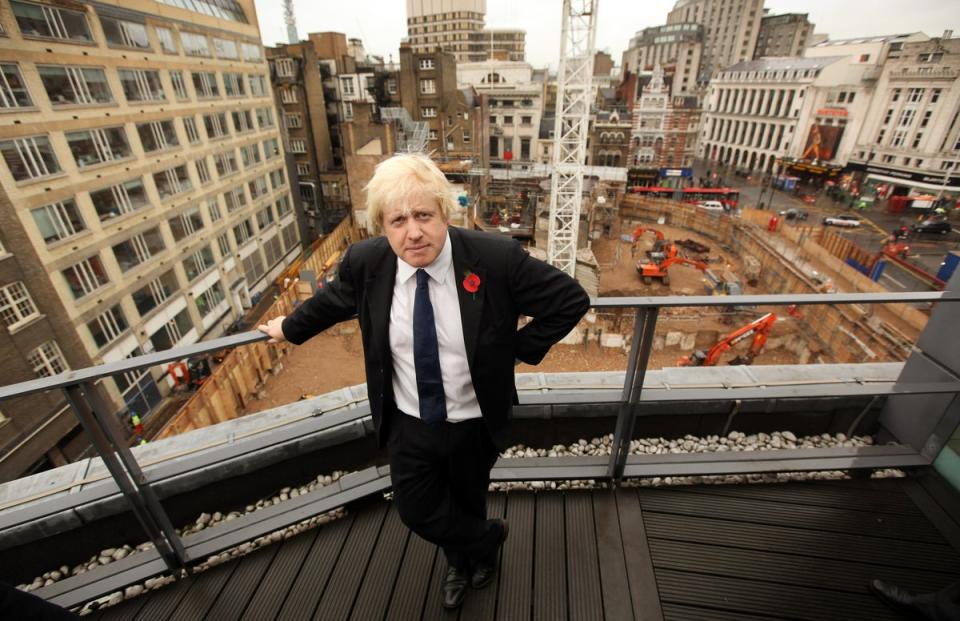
104,430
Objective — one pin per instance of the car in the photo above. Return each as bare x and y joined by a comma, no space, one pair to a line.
715,206
933,226
844,220
794,214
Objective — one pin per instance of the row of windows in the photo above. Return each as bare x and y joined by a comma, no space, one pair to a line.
33,157
74,85
43,21
63,219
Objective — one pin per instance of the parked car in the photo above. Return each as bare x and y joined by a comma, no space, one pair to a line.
714,206
933,226
794,214
844,220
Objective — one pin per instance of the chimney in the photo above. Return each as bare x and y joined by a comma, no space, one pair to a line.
947,34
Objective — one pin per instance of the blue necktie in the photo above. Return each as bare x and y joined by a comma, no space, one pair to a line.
426,355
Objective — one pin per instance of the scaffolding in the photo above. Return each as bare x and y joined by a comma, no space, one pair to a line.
411,135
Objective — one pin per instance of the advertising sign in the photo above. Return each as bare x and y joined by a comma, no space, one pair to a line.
822,142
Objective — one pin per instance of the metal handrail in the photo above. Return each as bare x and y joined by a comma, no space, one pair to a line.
103,428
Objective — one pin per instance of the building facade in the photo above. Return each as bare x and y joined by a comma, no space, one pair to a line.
910,140
730,30
144,196
664,129
676,48
456,27
783,35
809,110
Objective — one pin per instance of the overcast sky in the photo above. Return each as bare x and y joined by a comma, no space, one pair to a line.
381,24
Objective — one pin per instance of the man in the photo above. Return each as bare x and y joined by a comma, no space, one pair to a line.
438,310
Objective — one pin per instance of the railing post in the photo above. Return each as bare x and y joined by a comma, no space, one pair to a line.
105,433
643,331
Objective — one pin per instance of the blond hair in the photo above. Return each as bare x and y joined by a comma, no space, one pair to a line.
402,178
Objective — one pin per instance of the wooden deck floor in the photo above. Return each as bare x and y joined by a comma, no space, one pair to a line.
791,551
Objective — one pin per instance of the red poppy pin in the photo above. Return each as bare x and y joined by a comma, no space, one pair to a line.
471,283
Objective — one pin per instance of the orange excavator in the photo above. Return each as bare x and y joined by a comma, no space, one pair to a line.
758,329
662,249
649,271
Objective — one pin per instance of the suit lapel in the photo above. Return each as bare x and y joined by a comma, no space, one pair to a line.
379,298
466,262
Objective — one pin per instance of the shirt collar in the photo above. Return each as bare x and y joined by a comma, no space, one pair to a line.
436,270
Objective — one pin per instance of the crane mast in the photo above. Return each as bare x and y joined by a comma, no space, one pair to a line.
574,95
291,21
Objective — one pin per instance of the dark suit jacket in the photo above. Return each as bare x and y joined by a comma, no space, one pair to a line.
512,283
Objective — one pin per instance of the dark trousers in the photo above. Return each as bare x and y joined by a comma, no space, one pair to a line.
440,476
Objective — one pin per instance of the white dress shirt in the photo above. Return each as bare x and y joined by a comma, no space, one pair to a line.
457,383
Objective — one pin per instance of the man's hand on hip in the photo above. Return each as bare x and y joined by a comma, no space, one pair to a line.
274,329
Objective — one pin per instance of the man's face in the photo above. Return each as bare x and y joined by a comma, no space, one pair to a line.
416,229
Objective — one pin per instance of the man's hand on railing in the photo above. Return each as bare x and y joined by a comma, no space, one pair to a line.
274,329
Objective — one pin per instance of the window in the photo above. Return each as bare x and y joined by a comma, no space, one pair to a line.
50,22
251,52
293,120
290,236
347,110
258,85
208,300
391,86
428,86
140,85
426,63
29,158
283,206
508,120
864,58
154,293
303,168
935,95
190,127
288,95
916,144
466,137
242,121
123,33
205,84
235,199
179,86
74,85
428,112
273,249
906,117
216,125
524,148
926,118
252,267
223,244
347,87
96,146
526,120
224,9
264,117
264,218
47,360
108,326
203,172
887,116
58,221
234,85
119,199
167,40
157,135
198,262
86,276
225,48
213,210
271,148
172,332
277,178
433,134
258,187
242,233
914,95
284,67
172,181
250,155
896,95
13,92
298,146
226,162
16,306
898,137
138,249
194,44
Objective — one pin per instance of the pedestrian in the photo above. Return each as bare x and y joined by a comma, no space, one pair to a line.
438,308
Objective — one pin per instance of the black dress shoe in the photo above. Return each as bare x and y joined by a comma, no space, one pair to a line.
454,587
907,604
484,570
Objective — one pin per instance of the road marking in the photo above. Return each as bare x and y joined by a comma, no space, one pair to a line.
897,282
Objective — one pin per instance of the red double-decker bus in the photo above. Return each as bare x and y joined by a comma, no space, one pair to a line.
728,196
652,191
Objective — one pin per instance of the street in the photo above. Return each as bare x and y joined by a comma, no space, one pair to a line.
926,251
